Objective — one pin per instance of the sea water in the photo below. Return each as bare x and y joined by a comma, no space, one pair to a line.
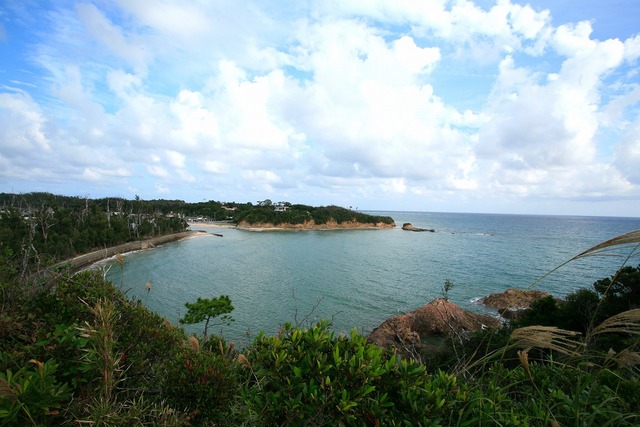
358,278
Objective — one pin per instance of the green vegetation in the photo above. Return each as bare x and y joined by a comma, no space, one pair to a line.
206,309
39,229
74,350
300,214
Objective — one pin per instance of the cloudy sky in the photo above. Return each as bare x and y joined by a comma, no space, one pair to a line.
428,105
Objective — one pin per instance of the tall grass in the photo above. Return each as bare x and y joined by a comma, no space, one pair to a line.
570,381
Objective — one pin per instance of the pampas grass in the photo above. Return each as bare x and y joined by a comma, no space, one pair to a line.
549,337
627,322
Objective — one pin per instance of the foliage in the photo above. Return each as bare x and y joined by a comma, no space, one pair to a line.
446,287
32,395
584,308
299,214
200,383
206,309
311,377
41,228
620,292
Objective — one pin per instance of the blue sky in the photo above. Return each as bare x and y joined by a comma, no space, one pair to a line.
428,105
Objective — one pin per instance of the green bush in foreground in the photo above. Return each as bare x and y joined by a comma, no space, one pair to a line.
311,377
32,396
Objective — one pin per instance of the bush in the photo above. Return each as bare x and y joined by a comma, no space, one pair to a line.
33,395
201,383
311,377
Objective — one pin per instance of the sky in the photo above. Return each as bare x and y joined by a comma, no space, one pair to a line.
407,105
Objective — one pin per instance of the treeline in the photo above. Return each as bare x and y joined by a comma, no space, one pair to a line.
41,228
299,214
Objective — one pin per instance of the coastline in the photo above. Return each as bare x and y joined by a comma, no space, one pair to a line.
211,224
307,226
84,260
311,226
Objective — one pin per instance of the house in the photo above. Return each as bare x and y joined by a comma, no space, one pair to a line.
280,207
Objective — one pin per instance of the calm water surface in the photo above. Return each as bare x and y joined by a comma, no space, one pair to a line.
358,278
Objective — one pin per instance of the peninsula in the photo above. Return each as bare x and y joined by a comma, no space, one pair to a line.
286,216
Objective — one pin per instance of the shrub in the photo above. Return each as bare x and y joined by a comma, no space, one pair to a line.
311,377
33,395
200,383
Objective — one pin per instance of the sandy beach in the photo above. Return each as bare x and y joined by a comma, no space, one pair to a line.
211,224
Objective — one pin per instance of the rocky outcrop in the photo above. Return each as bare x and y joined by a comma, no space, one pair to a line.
439,318
409,227
512,301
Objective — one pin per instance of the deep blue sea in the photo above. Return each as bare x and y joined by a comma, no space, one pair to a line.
358,278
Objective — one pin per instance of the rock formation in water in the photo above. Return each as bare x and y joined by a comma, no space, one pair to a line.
409,227
510,302
439,318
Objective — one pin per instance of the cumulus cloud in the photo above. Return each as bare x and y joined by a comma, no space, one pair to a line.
330,100
627,153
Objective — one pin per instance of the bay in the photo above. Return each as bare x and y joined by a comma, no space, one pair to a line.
358,278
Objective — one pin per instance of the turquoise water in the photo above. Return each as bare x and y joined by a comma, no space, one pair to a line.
358,278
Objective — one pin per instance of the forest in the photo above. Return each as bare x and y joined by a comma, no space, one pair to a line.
41,228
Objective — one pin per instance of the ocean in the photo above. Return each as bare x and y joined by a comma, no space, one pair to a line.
358,278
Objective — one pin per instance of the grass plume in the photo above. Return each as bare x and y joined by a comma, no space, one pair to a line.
549,337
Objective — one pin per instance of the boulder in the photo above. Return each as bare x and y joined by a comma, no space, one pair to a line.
512,301
409,227
439,318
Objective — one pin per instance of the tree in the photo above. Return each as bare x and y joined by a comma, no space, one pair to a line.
206,309
448,285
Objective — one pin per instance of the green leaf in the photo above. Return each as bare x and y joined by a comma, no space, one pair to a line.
296,371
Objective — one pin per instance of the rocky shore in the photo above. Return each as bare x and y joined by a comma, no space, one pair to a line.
440,318
512,301
407,226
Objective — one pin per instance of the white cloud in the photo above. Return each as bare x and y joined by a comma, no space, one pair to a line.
22,125
570,39
632,48
408,99
215,167
175,159
132,51
102,174
158,171
627,153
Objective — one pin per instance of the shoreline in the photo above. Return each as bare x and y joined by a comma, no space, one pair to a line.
84,260
311,226
330,226
211,224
